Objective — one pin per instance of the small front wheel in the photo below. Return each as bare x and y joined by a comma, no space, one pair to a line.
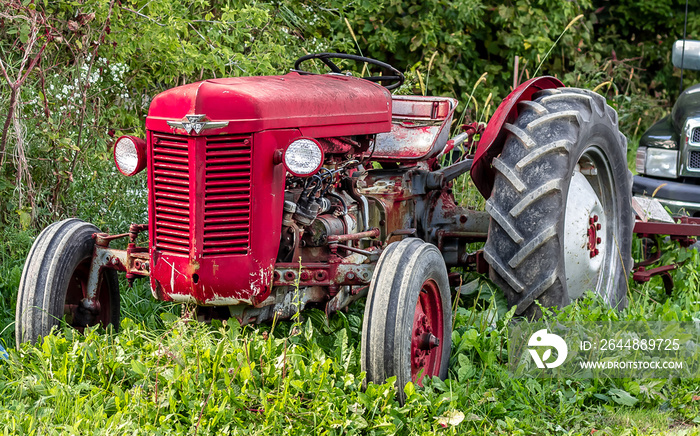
407,325
54,283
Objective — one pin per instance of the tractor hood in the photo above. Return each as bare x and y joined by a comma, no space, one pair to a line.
318,105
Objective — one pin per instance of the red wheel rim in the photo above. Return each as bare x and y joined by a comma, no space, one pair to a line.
77,291
427,332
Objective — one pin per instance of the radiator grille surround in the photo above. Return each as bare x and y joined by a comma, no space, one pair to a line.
205,248
226,186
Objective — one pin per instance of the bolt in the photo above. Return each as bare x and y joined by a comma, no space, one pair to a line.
463,219
350,276
305,275
590,220
429,341
597,241
595,218
597,227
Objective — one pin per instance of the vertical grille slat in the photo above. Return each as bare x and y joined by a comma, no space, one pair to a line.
227,196
694,158
172,186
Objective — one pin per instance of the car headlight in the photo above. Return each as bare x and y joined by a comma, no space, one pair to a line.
130,155
661,162
303,157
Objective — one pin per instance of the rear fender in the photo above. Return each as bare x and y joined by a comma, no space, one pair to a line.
494,136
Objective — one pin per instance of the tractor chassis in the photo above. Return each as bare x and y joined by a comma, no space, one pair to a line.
342,273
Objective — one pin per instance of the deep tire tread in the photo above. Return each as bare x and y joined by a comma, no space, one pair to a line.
526,204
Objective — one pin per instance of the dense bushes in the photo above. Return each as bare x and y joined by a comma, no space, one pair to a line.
85,71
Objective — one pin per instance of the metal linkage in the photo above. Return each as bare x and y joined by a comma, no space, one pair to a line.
685,230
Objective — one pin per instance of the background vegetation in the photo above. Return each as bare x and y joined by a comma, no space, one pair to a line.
76,74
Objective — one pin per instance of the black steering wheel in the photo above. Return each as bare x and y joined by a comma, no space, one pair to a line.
396,78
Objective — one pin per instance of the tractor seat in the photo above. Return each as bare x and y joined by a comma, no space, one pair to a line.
419,130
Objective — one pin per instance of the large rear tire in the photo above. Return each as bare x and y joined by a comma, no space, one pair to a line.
561,215
407,326
54,281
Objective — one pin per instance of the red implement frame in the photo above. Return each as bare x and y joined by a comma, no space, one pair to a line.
685,230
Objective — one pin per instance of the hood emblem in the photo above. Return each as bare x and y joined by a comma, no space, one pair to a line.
196,123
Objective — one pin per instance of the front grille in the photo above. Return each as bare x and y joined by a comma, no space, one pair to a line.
695,137
694,160
227,196
171,194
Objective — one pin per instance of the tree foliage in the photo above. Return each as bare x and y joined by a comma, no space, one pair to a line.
81,72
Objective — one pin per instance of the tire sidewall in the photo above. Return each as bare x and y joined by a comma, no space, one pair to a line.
63,273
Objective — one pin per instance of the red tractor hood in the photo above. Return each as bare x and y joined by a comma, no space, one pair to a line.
318,105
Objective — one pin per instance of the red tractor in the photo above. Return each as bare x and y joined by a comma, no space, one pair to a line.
267,194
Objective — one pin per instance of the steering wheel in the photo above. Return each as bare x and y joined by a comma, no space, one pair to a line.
396,78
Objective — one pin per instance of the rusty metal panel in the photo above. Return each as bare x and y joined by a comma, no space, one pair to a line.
420,128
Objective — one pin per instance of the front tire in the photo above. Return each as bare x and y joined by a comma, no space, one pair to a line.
561,215
54,281
407,326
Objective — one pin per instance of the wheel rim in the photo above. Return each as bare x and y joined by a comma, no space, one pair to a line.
590,217
77,315
427,333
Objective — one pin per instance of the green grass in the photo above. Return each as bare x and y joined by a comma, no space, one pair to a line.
161,374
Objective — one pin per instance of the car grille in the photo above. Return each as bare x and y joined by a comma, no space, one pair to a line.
694,160
695,136
171,187
227,196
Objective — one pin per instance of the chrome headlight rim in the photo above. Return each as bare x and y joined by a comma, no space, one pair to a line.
130,155
303,157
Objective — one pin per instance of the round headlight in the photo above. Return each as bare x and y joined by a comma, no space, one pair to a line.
130,155
303,157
